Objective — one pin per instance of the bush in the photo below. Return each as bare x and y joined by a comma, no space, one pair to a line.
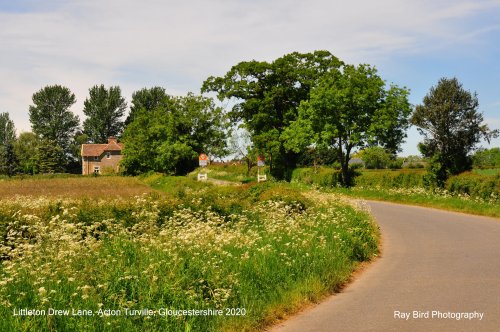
322,176
476,185
391,179
375,157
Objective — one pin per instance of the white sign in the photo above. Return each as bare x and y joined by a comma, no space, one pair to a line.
260,161
203,159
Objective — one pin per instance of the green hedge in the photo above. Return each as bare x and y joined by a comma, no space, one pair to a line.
391,179
322,176
476,185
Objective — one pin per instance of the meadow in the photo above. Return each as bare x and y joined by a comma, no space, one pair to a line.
148,254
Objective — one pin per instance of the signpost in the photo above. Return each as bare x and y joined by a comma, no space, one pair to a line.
261,163
203,162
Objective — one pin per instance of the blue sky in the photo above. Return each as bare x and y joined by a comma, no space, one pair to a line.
174,44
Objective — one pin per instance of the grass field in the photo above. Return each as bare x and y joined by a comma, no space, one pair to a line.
118,261
73,187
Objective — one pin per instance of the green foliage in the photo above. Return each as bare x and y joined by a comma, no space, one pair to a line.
391,179
486,171
267,96
452,126
320,176
51,118
396,163
351,109
317,156
26,150
104,109
8,160
7,129
375,157
413,161
436,198
475,185
169,139
279,192
51,157
486,158
149,100
213,248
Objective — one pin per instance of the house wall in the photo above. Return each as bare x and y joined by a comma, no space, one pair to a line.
104,163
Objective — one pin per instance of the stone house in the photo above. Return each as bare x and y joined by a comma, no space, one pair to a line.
102,158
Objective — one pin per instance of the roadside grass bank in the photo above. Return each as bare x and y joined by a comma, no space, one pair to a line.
467,192
256,252
426,198
234,173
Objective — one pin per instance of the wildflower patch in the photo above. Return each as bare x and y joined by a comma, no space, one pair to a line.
206,260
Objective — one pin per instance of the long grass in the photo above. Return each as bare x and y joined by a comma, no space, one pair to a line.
73,187
256,252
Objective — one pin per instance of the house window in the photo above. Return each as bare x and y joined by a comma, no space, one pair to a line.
97,169
108,155
96,158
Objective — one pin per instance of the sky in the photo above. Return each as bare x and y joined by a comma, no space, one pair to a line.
178,44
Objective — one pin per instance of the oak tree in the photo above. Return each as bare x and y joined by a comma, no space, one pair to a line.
266,97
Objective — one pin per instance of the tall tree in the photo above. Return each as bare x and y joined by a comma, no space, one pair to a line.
452,126
349,109
7,138
51,157
267,96
104,109
148,99
168,139
26,150
50,116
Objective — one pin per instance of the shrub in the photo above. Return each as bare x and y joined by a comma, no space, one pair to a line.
476,185
391,179
322,176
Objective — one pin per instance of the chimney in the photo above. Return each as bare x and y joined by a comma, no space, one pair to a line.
112,139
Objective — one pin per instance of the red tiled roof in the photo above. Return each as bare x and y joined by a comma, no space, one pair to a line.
93,150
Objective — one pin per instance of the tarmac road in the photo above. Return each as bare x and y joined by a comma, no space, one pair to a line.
432,261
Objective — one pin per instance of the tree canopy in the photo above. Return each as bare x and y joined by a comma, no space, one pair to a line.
26,150
8,159
350,109
452,126
266,97
104,109
50,116
169,138
147,99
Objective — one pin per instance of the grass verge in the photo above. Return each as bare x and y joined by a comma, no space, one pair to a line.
421,197
255,252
